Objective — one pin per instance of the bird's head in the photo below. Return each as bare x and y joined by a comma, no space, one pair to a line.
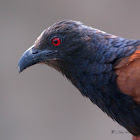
63,42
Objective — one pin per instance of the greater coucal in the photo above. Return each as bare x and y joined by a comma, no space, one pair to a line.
105,68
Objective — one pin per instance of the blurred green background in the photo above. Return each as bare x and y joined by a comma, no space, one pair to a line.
40,104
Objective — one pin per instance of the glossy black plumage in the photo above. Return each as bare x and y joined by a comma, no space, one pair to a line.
87,57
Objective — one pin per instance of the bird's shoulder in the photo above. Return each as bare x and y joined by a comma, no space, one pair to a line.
128,75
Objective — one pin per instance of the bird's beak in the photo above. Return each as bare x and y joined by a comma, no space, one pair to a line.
33,56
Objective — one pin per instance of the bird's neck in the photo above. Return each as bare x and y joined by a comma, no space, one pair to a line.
102,90
96,79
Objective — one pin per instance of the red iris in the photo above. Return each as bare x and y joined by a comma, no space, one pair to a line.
56,41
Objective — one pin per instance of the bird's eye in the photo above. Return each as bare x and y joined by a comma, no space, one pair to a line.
56,41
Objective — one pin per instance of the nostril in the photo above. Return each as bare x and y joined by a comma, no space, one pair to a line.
34,51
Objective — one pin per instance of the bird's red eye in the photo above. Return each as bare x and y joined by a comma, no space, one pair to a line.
56,41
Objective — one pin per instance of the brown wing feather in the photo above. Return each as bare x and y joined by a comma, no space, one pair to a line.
128,75
135,138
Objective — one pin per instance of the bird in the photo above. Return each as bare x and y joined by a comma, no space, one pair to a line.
105,68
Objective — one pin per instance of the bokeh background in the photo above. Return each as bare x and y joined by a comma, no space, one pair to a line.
40,104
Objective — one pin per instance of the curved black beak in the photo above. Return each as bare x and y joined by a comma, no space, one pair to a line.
33,56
